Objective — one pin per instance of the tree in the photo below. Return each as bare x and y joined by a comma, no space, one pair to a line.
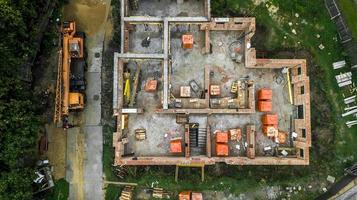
19,122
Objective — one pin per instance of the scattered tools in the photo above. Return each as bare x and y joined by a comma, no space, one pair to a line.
146,42
235,134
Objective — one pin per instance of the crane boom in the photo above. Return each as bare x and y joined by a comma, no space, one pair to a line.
70,82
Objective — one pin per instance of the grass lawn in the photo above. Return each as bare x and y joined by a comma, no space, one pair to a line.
112,191
349,8
60,191
294,26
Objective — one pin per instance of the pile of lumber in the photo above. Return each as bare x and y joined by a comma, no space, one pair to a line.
344,79
140,134
127,193
339,64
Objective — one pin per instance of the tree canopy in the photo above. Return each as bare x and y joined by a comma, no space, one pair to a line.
19,123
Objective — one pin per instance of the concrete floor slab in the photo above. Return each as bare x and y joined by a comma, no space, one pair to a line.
160,129
162,8
225,71
140,33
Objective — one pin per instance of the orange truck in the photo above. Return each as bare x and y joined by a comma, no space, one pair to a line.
70,91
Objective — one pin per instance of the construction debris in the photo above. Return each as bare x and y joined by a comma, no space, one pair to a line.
185,91
344,79
351,112
330,179
151,85
351,123
127,193
339,64
176,145
158,193
140,134
350,99
215,90
187,41
235,134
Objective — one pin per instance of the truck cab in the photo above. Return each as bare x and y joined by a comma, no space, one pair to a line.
76,101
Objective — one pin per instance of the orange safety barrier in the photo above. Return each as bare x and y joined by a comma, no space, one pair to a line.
265,94
270,119
270,130
187,41
222,149
176,146
265,106
221,137
151,86
185,195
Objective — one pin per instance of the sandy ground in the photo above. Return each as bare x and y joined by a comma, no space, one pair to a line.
74,163
56,150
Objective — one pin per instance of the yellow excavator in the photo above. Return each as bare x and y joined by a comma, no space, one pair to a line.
70,91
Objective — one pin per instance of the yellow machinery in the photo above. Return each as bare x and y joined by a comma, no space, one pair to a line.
127,90
70,78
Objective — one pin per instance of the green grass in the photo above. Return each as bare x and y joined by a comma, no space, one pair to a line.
313,20
349,8
60,191
111,191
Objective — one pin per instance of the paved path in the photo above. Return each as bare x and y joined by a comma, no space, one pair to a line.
93,166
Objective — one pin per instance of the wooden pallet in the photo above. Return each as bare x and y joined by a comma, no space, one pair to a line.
127,193
158,193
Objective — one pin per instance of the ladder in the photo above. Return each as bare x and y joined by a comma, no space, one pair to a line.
58,99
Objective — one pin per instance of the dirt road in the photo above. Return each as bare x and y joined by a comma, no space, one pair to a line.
85,143
56,150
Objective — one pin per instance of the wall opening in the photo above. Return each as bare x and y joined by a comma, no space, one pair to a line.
302,90
303,133
300,111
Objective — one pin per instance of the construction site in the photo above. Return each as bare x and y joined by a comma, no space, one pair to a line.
188,89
